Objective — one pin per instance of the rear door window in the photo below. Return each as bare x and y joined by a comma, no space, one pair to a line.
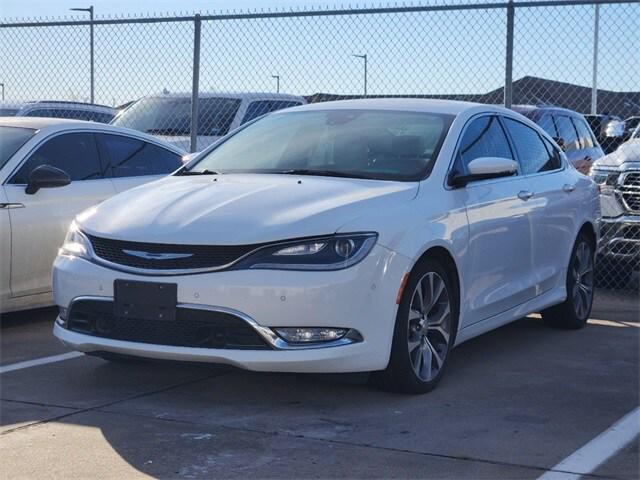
567,132
74,153
534,156
132,157
584,132
546,123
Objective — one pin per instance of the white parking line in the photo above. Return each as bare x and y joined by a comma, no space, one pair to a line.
39,361
598,450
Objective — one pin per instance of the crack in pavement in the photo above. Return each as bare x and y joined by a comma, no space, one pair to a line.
104,405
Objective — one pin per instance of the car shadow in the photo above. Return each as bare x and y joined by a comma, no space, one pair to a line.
524,377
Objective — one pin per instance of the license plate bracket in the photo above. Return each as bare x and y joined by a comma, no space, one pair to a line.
145,300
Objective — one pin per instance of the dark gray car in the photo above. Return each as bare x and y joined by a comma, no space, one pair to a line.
570,130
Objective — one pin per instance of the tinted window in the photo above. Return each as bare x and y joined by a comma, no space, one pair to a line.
554,154
75,153
130,157
483,137
371,144
11,139
76,114
172,116
261,107
584,132
533,155
567,133
546,123
8,112
39,112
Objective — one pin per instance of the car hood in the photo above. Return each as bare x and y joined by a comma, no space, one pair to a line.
627,152
235,209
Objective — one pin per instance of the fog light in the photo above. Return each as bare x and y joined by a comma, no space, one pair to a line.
308,335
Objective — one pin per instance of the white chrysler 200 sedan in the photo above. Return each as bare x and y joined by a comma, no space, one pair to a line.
365,235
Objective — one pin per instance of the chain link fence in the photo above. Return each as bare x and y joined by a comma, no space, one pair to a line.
191,79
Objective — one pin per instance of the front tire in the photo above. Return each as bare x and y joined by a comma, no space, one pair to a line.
574,312
425,329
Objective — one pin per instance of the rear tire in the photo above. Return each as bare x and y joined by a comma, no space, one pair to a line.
425,330
574,312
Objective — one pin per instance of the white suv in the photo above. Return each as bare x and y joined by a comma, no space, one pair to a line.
365,235
169,115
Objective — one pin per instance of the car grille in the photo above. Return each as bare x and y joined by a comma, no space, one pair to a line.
200,256
191,328
630,190
631,232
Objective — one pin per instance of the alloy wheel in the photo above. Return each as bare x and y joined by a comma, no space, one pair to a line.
429,326
582,272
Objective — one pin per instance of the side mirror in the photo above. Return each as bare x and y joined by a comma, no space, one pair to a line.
46,176
484,168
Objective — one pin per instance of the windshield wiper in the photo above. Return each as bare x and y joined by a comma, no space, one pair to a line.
206,171
324,173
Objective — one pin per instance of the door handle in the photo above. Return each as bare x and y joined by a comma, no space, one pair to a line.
11,205
568,188
525,195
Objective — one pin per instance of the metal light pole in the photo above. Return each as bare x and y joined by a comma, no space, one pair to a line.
277,77
90,10
2,85
594,82
364,57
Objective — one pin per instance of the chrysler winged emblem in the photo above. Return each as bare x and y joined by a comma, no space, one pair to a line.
157,256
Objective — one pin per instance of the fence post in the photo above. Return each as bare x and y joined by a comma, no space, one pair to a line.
594,81
195,87
508,70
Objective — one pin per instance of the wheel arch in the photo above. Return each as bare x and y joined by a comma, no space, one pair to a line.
589,230
442,254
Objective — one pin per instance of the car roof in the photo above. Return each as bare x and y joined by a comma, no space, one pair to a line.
530,109
452,107
39,122
58,104
52,125
241,95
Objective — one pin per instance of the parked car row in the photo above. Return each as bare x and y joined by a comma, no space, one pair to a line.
363,235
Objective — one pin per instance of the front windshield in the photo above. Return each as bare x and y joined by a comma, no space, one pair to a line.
172,116
11,139
386,145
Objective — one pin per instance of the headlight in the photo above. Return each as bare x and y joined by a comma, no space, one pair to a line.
76,244
326,253
602,177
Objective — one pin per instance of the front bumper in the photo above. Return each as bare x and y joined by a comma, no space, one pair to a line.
361,298
620,238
